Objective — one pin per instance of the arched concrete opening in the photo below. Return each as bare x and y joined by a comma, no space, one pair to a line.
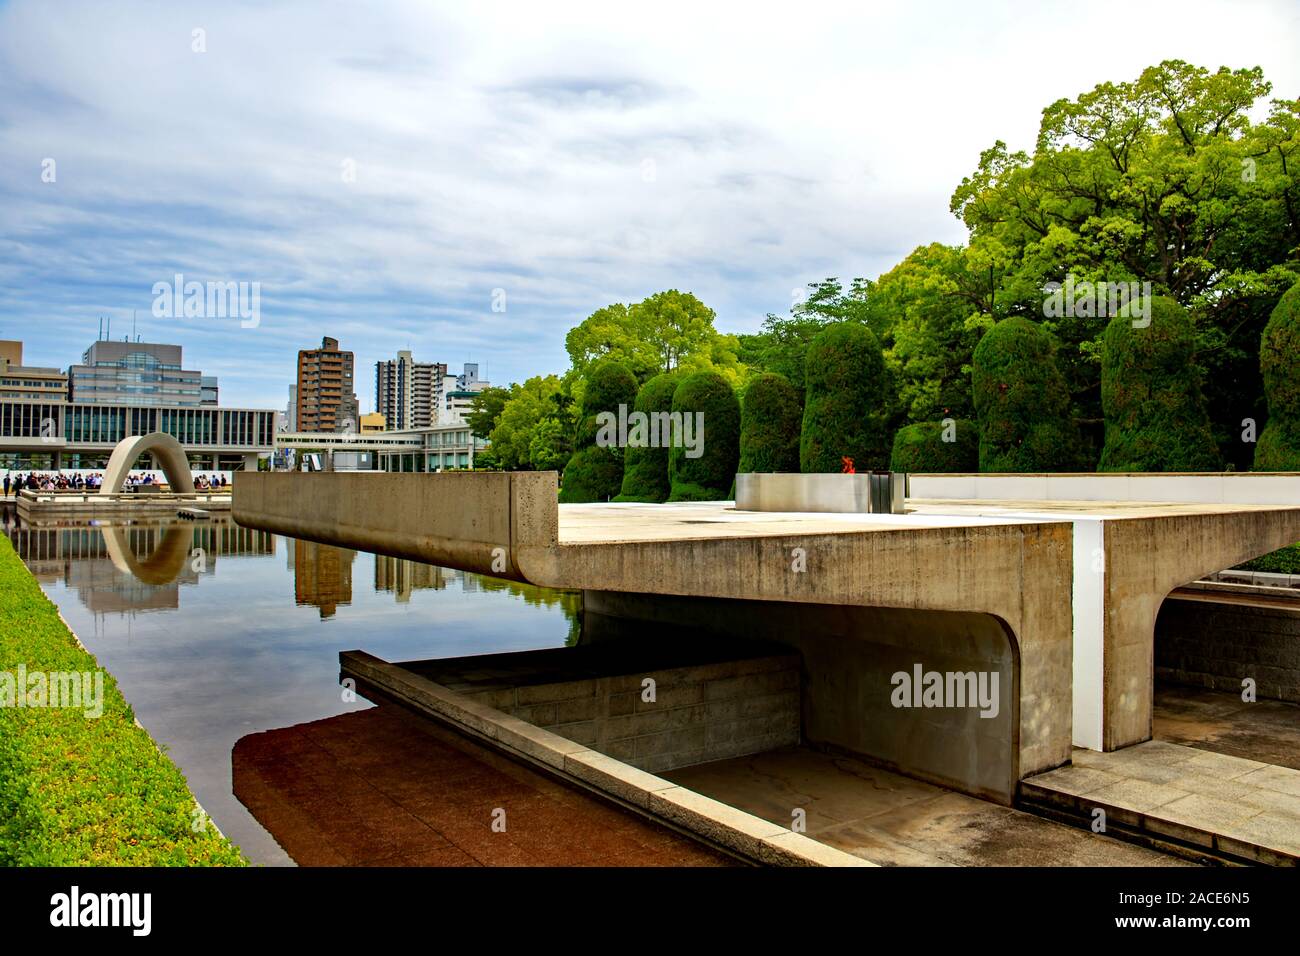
166,450
878,683
1145,560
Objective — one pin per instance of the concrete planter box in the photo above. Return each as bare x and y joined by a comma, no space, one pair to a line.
870,492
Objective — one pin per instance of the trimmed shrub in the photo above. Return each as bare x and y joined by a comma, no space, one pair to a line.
645,470
1155,413
609,385
1278,448
770,422
1022,401
937,448
846,409
710,476
592,474
596,474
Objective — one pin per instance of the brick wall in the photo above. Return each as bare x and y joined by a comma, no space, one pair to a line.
1218,645
700,713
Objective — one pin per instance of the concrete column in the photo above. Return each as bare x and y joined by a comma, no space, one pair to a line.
250,462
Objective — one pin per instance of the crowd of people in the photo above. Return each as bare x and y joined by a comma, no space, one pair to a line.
14,482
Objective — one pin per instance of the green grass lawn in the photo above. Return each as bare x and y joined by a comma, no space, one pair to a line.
79,791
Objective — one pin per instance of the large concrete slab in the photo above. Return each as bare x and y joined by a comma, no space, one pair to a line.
1076,583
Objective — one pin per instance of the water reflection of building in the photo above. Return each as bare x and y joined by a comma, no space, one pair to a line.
322,575
119,569
402,577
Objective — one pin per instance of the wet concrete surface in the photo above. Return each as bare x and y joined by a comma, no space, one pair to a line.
1267,730
382,787
894,820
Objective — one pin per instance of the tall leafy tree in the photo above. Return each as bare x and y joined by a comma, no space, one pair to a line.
1162,179
658,334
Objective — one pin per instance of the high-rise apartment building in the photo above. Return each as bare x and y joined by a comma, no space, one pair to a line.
406,391
135,373
326,399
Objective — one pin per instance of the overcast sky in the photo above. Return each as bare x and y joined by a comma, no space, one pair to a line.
570,154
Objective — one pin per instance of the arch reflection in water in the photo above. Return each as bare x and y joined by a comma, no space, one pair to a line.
163,566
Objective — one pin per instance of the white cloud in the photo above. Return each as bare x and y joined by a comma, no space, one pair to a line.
573,154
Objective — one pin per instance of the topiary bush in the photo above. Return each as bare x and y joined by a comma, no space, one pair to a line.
1155,414
645,469
1278,448
596,473
592,474
710,476
1022,401
947,447
609,384
847,402
770,422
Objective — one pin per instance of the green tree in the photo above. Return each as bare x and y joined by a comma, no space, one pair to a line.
1163,179
1279,349
528,405
770,419
951,446
1151,394
485,410
782,346
848,401
595,472
653,336
1022,401
645,469
710,475
938,305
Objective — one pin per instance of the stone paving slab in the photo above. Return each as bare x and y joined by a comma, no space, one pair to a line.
895,820
1229,804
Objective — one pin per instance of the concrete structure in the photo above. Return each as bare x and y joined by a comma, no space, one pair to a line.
712,699
28,383
373,422
745,834
1221,636
418,450
1057,598
406,391
166,451
134,373
326,399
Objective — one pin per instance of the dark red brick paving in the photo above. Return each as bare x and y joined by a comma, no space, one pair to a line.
383,787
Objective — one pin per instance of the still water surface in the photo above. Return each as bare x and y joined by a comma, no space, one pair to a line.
214,631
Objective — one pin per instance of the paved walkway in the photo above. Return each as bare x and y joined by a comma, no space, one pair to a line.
1267,730
1243,808
897,821
381,787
